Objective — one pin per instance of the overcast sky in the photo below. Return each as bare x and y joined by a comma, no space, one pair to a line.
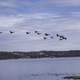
58,11
43,15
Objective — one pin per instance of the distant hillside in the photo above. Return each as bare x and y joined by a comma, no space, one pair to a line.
39,54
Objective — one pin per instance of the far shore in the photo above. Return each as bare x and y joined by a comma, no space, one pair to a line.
38,54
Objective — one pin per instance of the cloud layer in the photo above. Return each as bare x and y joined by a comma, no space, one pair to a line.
8,7
43,22
54,16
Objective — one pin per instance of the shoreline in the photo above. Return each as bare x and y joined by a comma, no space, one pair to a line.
38,54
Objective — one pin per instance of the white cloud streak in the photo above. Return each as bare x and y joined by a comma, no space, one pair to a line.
42,22
65,2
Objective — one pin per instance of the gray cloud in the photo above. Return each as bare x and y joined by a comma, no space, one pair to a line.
8,7
62,18
65,2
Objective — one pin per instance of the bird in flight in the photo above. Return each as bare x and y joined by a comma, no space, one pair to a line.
0,32
46,34
44,38
61,37
11,32
51,37
37,32
27,32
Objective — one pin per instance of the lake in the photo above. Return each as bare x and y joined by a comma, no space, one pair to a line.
39,69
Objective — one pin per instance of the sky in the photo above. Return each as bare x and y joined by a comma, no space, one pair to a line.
43,15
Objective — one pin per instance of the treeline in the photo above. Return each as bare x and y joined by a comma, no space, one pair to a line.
39,54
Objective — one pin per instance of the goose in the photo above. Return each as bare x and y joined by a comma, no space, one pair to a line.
46,34
11,32
27,32
44,38
65,38
36,31
0,32
61,37
57,35
51,37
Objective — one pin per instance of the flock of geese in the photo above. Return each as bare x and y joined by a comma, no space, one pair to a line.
46,35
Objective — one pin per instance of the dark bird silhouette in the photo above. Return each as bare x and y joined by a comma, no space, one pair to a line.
61,37
46,34
65,38
44,38
36,31
27,32
11,32
0,32
51,37
57,35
